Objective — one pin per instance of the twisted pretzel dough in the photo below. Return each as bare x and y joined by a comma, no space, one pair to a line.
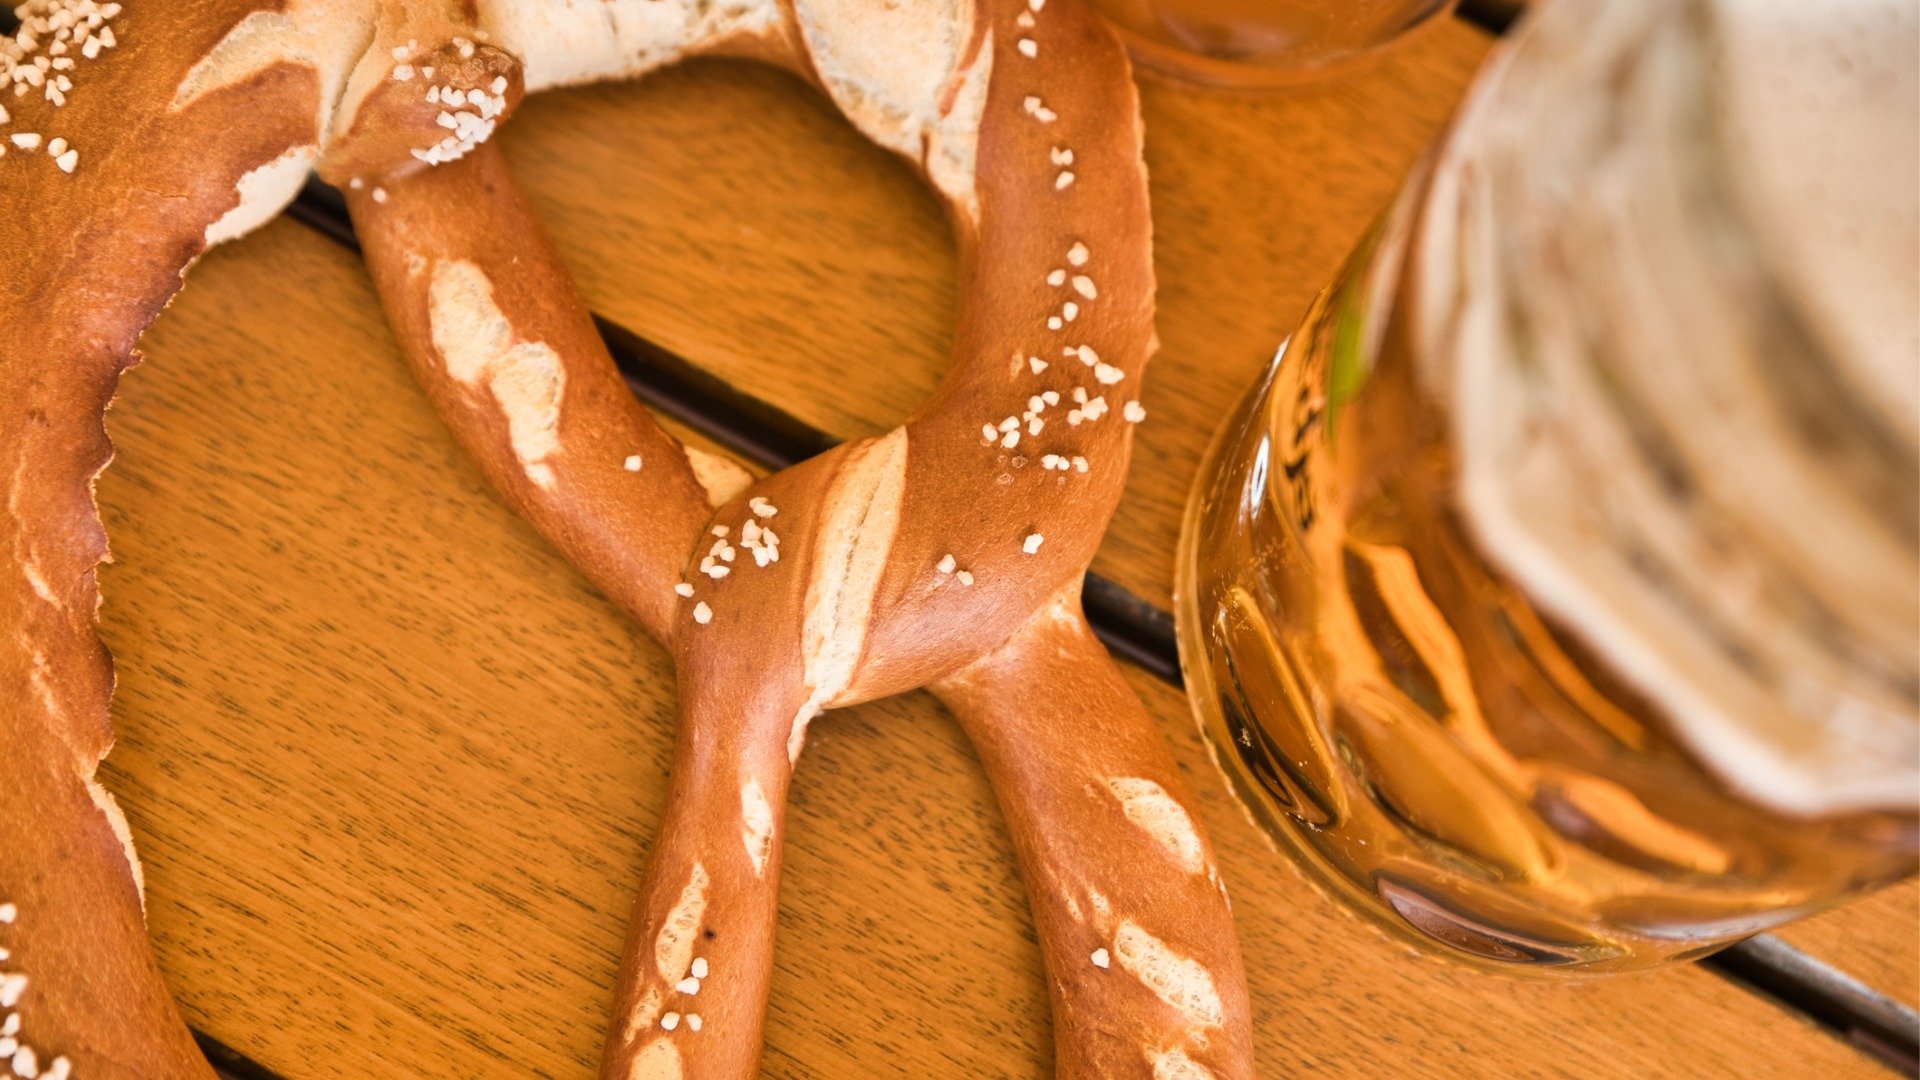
945,553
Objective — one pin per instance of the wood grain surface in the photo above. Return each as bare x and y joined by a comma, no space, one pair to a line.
394,767
1875,940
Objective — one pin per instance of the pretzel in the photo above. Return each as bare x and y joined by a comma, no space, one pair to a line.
945,553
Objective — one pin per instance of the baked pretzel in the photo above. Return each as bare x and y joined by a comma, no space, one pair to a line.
945,553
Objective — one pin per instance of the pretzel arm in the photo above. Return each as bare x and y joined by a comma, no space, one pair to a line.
1142,965
488,319
76,970
698,961
162,140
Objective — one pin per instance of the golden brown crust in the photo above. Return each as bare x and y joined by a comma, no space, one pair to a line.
948,549
177,126
1132,916
101,224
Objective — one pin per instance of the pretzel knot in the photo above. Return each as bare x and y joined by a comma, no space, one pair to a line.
946,553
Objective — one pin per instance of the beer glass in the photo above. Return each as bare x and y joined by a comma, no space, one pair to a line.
1554,599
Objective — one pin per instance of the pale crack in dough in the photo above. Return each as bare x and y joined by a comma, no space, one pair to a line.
1156,813
910,76
477,343
1180,981
720,477
264,192
858,521
658,1060
40,675
1176,1065
565,42
641,1019
313,35
103,800
38,582
756,825
673,947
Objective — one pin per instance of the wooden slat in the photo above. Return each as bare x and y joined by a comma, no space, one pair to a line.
393,768
735,219
1876,940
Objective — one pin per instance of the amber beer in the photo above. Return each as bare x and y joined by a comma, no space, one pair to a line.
1239,42
1555,597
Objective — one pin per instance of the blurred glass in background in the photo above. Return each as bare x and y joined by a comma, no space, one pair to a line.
1554,599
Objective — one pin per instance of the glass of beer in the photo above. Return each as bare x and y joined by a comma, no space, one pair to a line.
1262,42
1554,598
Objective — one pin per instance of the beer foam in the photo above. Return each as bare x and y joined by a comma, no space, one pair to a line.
1820,104
1668,297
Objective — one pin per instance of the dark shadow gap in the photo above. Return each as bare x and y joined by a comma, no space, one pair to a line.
231,1064
1496,17
1875,1024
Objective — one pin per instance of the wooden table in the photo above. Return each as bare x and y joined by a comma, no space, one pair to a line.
394,767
